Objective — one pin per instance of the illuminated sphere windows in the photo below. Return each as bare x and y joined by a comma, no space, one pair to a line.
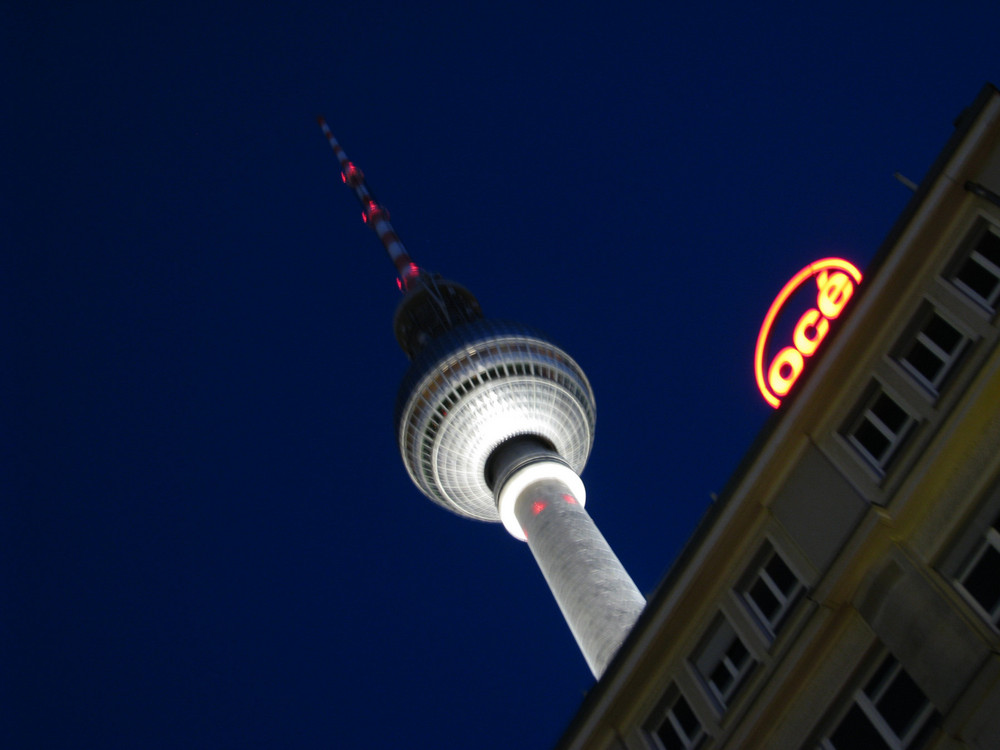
475,387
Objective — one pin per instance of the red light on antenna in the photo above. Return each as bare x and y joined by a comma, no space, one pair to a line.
351,175
569,499
537,507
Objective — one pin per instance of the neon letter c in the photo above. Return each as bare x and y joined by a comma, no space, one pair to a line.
811,319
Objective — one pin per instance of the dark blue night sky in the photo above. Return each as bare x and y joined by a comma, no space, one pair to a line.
208,539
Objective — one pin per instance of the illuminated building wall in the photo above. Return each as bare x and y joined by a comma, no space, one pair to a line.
844,590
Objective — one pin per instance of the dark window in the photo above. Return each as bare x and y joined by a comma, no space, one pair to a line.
891,712
724,662
979,274
856,731
981,575
730,667
933,352
773,591
681,729
880,429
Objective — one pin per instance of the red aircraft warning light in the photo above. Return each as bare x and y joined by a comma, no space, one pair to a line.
835,282
373,213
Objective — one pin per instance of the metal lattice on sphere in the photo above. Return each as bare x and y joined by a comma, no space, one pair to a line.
475,387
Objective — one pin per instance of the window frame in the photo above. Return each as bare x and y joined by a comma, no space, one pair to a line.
988,540
669,717
949,360
971,253
864,414
888,671
787,601
715,652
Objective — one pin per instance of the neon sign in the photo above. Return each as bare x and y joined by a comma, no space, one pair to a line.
835,282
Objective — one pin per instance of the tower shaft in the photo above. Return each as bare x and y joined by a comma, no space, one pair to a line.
595,594
540,499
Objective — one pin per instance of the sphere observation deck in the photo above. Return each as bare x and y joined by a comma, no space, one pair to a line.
474,387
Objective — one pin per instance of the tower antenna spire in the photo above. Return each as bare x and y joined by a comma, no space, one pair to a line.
373,213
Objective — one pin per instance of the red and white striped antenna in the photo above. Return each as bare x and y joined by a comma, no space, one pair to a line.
373,213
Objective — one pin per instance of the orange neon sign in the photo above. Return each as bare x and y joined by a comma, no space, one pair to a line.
834,289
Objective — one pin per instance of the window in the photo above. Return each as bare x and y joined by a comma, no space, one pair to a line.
931,355
723,662
681,729
981,575
891,712
881,429
979,273
773,591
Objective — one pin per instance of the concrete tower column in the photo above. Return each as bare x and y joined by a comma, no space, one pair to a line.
541,501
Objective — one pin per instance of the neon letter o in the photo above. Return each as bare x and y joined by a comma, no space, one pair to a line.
787,357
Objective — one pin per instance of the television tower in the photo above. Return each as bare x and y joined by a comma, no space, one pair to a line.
495,422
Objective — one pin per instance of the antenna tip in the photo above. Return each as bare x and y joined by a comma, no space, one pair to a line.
320,120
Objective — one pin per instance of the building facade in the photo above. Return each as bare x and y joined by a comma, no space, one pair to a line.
844,590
